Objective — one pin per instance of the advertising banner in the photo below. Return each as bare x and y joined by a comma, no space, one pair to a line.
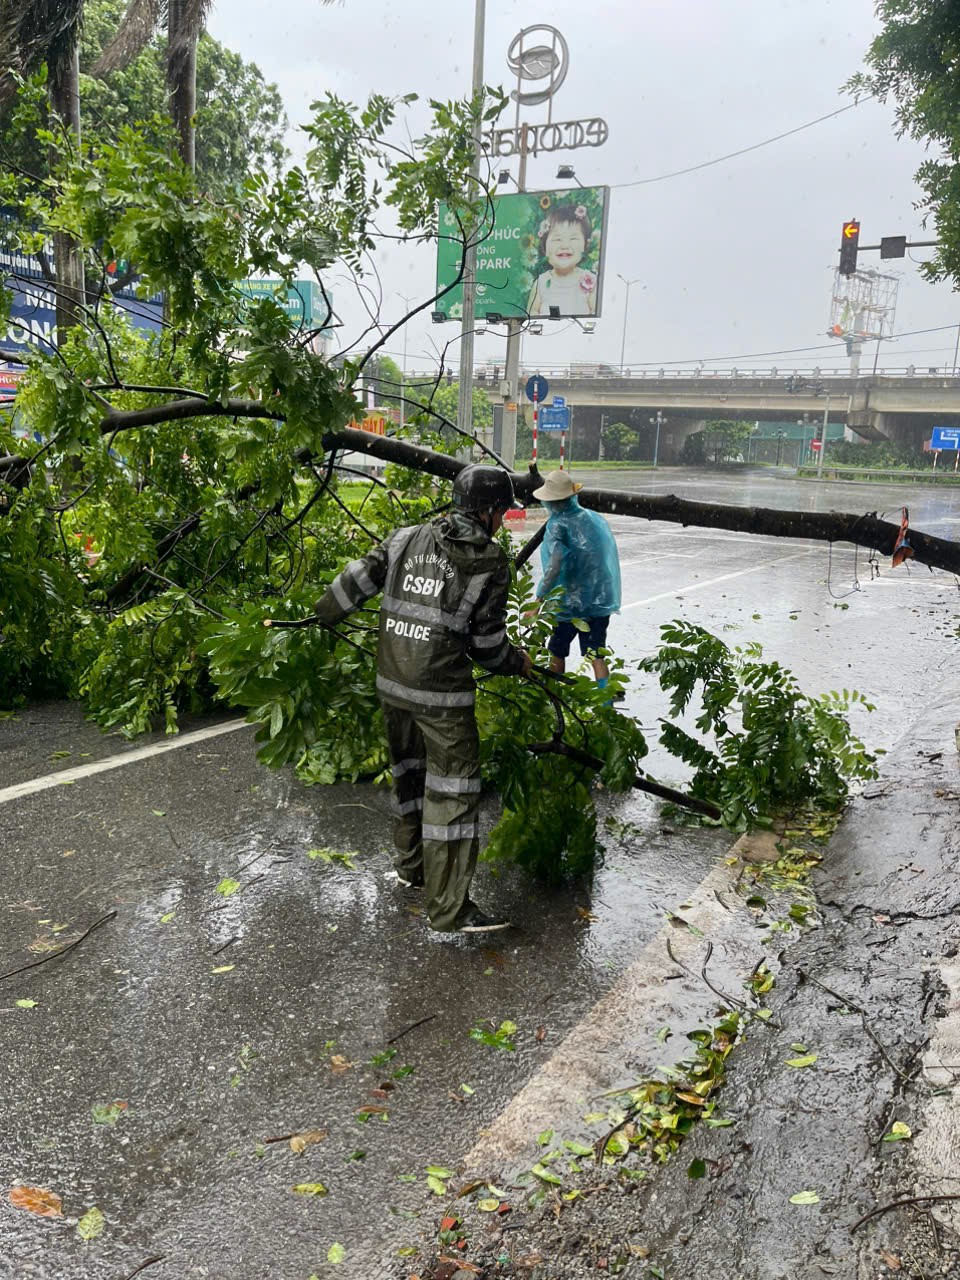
542,255
302,300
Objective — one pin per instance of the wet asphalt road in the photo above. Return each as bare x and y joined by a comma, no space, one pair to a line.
329,964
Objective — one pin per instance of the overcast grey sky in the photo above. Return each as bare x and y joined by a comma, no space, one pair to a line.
733,260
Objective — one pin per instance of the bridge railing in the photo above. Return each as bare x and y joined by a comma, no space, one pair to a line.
492,373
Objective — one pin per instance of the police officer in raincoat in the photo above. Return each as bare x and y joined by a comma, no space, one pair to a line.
444,604
579,555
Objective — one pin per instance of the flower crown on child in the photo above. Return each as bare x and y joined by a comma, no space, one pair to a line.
576,214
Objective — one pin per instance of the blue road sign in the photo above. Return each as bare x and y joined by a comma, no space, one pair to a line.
552,418
559,402
537,388
945,438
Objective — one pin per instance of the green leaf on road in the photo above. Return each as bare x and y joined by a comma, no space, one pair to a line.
331,856
228,886
899,1132
436,1185
697,1169
168,917
26,1004
159,813
579,1148
805,1197
544,1139
223,968
546,1175
309,1189
107,1112
806,1061
336,1253
488,1206
91,1224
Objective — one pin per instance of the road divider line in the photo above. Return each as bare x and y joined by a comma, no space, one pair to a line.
616,1043
712,582
65,776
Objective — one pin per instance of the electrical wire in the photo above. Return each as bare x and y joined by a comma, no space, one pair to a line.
732,155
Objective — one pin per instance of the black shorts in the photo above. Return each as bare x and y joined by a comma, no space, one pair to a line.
595,638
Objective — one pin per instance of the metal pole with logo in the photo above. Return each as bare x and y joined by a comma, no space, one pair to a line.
536,53
468,324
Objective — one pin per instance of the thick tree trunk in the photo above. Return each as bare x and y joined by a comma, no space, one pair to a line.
70,286
182,80
833,526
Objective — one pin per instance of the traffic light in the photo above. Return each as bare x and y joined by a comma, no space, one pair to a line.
849,243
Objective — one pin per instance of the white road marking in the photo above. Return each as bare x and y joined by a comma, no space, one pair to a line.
33,785
935,1146
712,582
615,1044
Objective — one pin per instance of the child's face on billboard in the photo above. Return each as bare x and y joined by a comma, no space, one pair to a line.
564,247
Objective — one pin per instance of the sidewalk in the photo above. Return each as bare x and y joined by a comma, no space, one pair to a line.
889,906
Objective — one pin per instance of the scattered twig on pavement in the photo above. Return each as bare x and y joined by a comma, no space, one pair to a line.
897,1204
283,1137
251,861
63,950
228,942
863,1019
413,1026
722,995
143,1265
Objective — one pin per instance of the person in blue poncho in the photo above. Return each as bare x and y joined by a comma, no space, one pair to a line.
579,555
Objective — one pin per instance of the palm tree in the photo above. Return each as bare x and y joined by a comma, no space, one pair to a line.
185,20
34,32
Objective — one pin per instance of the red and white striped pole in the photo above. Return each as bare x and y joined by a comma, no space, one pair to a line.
536,388
563,441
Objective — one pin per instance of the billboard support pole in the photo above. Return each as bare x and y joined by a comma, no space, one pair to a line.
468,323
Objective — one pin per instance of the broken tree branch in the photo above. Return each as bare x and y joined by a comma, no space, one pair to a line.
863,1019
897,1204
63,950
642,784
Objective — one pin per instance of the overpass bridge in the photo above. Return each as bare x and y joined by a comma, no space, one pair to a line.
902,405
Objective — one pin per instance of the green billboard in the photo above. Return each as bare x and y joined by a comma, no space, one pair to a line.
303,300
541,255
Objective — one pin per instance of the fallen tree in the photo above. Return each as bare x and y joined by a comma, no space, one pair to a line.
190,483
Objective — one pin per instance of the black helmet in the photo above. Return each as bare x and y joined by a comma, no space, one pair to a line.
478,488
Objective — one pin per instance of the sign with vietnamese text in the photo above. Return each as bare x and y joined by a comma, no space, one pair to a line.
552,418
945,438
375,422
541,253
303,300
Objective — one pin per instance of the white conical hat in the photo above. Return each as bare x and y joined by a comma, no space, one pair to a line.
557,486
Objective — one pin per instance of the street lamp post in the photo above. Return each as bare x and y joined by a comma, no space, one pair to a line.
823,438
626,308
468,321
657,422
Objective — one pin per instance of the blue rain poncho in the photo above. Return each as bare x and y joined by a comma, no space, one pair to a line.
579,554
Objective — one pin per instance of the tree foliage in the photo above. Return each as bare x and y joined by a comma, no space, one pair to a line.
913,61
721,441
240,117
620,442
177,489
